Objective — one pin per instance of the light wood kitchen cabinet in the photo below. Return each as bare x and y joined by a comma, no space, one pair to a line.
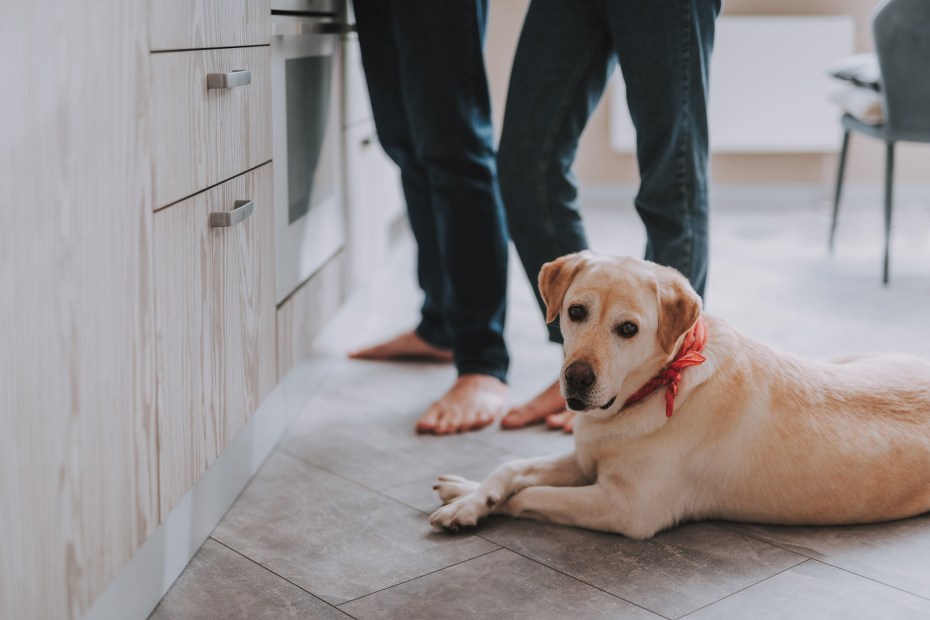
78,485
203,136
303,315
215,325
135,340
197,24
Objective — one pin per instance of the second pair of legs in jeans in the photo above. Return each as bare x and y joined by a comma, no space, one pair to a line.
566,53
425,71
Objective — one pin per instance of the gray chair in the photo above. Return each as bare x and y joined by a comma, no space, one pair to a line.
901,30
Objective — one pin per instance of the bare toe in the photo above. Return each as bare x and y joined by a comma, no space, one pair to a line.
561,420
536,410
427,424
473,402
518,417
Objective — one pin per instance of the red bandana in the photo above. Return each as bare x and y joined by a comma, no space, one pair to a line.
688,355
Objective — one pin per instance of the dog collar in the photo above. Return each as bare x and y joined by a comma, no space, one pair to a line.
688,355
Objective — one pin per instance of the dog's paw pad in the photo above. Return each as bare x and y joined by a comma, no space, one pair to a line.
463,512
451,488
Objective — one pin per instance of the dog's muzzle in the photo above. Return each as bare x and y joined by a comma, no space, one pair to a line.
576,404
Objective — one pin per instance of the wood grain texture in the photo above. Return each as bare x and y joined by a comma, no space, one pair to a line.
203,137
305,313
192,24
215,326
78,490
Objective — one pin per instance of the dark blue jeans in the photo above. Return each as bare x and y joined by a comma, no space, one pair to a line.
566,53
425,71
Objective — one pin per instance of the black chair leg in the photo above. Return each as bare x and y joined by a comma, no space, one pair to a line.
889,182
839,188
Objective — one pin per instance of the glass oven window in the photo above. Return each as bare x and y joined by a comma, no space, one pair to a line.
310,174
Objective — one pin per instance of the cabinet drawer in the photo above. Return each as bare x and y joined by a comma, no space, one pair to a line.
215,326
193,24
202,136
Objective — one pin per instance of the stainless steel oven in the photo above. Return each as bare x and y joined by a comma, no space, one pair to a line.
305,80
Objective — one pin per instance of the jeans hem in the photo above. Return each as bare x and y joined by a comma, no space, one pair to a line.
433,336
478,369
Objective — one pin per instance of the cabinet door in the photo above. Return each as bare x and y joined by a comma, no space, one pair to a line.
304,314
78,491
374,200
215,325
357,106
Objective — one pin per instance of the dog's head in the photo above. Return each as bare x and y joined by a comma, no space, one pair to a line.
622,320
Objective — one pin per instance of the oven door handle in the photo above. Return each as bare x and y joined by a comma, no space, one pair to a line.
222,219
283,29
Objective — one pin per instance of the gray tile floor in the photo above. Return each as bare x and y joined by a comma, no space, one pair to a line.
334,525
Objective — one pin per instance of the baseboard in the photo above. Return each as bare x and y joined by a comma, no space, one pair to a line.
140,585
770,195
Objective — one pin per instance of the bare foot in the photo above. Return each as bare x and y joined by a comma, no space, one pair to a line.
407,346
563,419
472,403
538,409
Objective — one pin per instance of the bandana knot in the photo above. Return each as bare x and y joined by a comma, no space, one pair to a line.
670,375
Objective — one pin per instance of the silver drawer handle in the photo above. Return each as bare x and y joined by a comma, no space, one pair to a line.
222,219
236,77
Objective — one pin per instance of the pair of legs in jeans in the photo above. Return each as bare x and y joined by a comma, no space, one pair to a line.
429,95
424,66
567,52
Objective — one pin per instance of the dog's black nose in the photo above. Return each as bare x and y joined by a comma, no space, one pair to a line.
579,376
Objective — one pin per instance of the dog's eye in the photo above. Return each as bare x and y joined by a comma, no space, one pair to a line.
577,313
627,330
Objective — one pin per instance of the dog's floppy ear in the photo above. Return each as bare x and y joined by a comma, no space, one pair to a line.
679,306
554,279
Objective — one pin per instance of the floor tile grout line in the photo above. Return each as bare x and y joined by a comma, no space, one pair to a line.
263,567
752,585
873,580
428,512
380,492
333,473
394,500
355,482
824,561
572,577
432,572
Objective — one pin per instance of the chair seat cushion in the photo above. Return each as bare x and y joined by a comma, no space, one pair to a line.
863,103
860,69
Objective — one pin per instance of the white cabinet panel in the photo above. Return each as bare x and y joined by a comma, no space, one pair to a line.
374,200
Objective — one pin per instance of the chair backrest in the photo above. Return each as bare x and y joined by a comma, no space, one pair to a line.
902,43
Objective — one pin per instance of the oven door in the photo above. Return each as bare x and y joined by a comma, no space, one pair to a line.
309,217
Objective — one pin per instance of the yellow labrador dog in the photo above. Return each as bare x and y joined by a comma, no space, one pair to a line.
681,418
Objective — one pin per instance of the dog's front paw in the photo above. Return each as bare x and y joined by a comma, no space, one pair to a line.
450,488
465,511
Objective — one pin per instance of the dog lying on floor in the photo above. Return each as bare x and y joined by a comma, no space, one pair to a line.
682,418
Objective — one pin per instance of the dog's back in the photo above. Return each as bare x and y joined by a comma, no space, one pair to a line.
821,442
